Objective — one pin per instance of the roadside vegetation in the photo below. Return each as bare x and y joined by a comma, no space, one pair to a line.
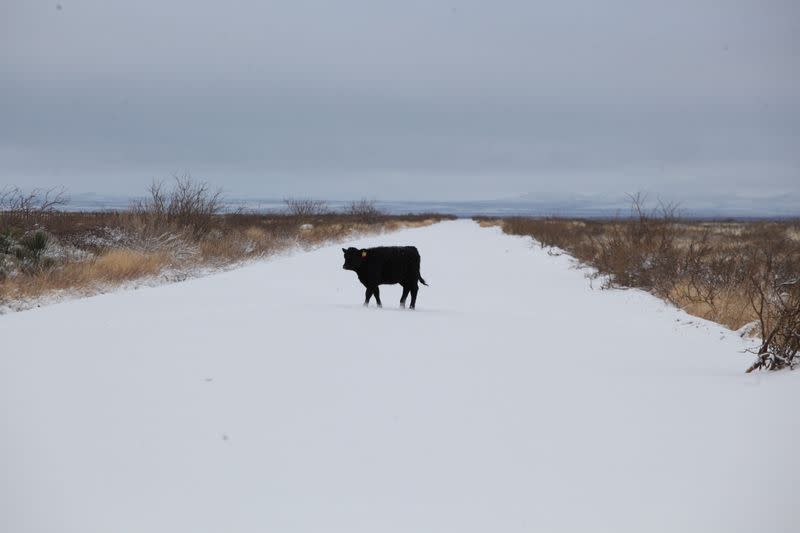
178,230
743,274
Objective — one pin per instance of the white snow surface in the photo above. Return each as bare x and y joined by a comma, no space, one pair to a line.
515,398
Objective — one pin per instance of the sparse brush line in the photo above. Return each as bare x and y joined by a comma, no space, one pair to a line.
179,229
128,260
731,272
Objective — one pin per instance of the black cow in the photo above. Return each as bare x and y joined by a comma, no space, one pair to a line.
385,265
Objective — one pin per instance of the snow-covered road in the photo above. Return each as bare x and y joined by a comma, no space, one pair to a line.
515,398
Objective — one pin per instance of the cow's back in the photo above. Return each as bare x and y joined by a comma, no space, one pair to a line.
393,264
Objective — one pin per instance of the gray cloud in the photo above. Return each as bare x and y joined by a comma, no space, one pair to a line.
404,100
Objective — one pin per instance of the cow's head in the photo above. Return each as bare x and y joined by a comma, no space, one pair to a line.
353,258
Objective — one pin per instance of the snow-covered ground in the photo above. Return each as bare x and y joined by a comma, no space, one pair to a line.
515,398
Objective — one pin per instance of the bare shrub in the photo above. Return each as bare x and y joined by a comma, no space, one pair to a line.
774,293
641,251
364,210
306,207
14,199
778,312
25,210
188,207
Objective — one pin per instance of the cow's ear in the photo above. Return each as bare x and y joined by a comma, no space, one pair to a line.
363,253
344,250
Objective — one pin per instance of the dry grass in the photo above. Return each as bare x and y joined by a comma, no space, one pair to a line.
123,264
491,222
110,268
43,250
729,306
701,266
732,272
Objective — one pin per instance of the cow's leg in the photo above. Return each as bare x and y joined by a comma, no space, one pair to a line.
414,289
403,298
367,296
377,294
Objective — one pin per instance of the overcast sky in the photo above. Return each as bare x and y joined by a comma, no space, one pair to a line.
404,99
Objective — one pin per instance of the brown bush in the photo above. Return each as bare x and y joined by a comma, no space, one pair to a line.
774,295
364,210
26,210
188,207
306,207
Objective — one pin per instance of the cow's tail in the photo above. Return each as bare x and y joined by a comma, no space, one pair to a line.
419,276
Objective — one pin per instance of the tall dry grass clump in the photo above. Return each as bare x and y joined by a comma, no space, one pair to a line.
108,269
124,264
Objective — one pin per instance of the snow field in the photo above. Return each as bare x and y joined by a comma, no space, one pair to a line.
515,398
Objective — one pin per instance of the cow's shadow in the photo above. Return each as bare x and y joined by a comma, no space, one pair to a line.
397,309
